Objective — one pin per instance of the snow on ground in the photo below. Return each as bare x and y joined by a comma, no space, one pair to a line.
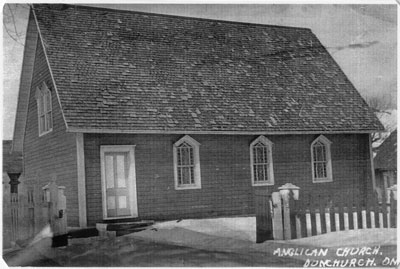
238,235
242,228
365,237
189,238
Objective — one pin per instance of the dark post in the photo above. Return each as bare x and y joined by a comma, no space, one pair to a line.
263,216
393,210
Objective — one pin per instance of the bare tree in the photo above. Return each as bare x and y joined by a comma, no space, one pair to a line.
379,104
10,25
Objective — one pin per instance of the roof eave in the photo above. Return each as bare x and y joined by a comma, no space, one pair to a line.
221,132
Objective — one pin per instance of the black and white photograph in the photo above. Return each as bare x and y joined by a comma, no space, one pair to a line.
224,134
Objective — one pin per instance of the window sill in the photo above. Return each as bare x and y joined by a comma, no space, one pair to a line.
45,133
262,184
322,180
187,188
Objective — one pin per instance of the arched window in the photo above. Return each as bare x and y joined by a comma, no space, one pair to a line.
262,171
45,120
187,164
321,160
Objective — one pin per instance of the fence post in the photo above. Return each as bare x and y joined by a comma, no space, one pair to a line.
285,192
264,227
56,206
14,216
277,221
393,206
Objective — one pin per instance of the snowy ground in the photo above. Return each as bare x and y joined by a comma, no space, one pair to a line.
239,228
352,238
207,242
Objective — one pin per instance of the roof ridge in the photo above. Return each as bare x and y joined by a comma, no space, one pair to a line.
178,16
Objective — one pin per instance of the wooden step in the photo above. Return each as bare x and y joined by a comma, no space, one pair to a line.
128,225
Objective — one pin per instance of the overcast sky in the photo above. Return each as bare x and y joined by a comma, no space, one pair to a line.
361,38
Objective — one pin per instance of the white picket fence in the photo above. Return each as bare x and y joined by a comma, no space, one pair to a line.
296,218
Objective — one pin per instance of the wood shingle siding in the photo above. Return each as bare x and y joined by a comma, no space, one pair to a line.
25,84
225,172
53,153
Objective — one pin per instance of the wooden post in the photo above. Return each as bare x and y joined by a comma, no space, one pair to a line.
337,221
302,219
277,222
56,212
346,218
393,210
308,223
364,218
328,220
264,227
372,216
384,214
294,221
298,226
317,221
286,216
377,212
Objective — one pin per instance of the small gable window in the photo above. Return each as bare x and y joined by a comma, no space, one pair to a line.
187,164
321,160
262,171
43,98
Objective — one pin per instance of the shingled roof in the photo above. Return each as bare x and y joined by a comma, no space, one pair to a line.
128,71
386,158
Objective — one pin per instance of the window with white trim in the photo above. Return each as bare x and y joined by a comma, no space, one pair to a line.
45,118
187,164
321,160
262,170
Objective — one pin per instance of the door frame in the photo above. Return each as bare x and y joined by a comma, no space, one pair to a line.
130,149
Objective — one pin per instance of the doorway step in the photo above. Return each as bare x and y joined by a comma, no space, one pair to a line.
122,228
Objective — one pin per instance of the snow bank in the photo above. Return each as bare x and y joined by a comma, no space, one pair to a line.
238,235
184,237
241,228
365,237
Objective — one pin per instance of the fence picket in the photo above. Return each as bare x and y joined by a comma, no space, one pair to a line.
286,218
303,222
368,212
317,221
372,219
346,218
308,223
337,222
364,218
384,214
376,211
380,216
393,210
298,227
307,217
328,220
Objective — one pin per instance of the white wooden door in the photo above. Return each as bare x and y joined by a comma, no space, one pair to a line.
119,183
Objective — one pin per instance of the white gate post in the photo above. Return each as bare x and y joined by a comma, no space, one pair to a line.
285,194
277,222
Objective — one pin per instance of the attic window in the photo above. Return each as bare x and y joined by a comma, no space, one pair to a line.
262,171
187,164
321,160
45,118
